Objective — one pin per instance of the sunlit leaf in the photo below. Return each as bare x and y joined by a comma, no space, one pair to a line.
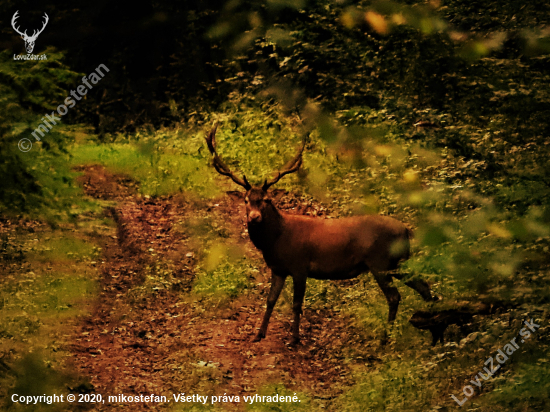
377,22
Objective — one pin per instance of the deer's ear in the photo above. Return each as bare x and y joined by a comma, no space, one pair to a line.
235,194
276,194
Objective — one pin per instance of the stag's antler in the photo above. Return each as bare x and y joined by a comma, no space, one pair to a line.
35,35
25,35
15,16
291,167
220,166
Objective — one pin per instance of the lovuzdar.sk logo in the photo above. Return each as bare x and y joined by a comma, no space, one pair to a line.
29,40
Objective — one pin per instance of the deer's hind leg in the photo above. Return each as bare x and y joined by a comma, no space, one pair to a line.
393,297
418,284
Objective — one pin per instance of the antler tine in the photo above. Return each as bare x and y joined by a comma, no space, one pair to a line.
37,32
219,165
291,167
210,139
47,19
13,23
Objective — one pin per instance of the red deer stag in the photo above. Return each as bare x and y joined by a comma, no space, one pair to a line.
303,246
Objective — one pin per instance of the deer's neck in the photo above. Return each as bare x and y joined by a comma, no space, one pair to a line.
265,234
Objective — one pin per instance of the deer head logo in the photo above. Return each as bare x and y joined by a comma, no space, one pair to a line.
29,40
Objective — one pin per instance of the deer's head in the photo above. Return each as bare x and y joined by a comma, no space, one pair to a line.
257,198
29,40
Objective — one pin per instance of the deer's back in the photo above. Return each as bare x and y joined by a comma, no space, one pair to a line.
341,248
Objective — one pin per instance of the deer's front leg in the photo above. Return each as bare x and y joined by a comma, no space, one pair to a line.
299,292
277,283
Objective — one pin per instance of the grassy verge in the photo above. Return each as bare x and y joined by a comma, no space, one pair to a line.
49,282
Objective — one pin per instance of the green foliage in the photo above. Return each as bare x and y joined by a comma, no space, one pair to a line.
62,249
51,290
35,375
223,272
397,386
225,281
33,86
162,163
255,141
33,181
59,198
36,308
528,389
50,296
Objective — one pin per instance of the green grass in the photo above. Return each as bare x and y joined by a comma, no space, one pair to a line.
162,167
399,385
62,249
40,302
226,280
223,271
42,298
528,389
61,197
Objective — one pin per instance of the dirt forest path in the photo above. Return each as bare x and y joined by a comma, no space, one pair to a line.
158,343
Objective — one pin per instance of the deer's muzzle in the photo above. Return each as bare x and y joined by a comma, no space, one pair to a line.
254,216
